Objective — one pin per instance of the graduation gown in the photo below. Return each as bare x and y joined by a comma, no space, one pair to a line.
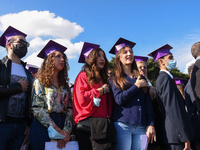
175,124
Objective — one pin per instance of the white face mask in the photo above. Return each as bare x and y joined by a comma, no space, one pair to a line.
172,64
53,134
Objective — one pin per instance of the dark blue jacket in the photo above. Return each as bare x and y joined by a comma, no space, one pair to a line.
175,126
132,105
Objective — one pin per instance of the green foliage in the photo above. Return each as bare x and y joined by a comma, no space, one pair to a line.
111,63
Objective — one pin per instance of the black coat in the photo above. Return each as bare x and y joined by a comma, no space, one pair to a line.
175,125
192,110
195,82
7,89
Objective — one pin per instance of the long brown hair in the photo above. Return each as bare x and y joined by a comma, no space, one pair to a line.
118,73
90,68
46,71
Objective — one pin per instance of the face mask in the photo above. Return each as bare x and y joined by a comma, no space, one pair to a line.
53,134
20,50
172,65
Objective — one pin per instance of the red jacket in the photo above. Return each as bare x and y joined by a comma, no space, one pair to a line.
83,100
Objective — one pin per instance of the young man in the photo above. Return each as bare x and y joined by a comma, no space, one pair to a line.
195,78
176,129
15,91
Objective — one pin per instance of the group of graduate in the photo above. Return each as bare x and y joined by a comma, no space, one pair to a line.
40,107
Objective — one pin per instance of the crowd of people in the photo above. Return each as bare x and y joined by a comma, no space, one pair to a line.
105,109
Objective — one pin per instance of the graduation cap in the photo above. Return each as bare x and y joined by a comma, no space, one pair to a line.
51,47
160,52
180,81
8,34
87,48
72,88
140,58
32,68
120,44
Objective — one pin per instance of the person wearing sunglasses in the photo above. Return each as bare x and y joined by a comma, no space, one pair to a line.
15,91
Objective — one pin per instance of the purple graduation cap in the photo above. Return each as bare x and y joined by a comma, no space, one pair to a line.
140,58
160,52
8,34
180,81
32,68
72,88
120,44
87,48
51,47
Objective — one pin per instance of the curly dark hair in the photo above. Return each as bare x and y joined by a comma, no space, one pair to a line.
93,76
45,73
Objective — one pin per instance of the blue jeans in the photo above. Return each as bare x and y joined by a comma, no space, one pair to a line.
129,136
11,135
39,134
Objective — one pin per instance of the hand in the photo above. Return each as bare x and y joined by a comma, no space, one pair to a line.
141,82
24,84
152,92
151,134
26,133
187,145
61,144
106,88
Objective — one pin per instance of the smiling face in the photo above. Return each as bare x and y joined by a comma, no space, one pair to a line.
100,60
142,67
59,61
126,56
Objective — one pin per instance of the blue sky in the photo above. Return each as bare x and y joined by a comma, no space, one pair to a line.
148,23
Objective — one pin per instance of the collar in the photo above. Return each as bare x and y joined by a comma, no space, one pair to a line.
168,73
198,58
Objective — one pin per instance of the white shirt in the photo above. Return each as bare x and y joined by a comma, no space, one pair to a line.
168,73
18,69
198,58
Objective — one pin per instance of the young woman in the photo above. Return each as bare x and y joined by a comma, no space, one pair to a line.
133,113
50,96
91,83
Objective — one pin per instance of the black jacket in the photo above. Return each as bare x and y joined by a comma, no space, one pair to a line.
195,82
175,126
7,89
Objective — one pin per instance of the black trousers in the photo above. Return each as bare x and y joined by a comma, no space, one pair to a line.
83,139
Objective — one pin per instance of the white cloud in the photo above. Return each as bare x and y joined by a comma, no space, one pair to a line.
182,50
34,60
41,23
40,27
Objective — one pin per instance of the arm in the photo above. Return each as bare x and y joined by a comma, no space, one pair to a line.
9,90
121,97
84,93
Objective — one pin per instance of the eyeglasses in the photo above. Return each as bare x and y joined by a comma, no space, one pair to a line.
21,42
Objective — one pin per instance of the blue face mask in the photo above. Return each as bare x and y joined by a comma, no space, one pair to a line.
172,65
53,134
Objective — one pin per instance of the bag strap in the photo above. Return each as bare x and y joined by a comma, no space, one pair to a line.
107,105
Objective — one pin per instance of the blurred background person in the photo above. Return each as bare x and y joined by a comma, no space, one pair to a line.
33,69
51,94
192,111
195,80
133,113
180,83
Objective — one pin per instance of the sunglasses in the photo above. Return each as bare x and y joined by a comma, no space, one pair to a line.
22,42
